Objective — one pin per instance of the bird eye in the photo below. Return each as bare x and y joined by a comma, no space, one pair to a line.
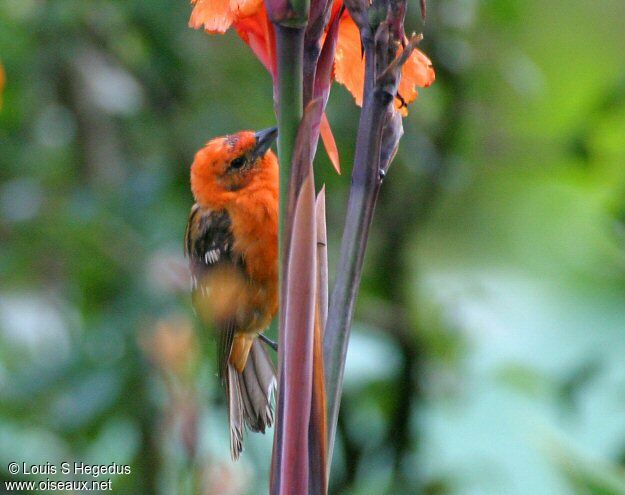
237,163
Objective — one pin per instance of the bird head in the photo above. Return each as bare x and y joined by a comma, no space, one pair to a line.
230,165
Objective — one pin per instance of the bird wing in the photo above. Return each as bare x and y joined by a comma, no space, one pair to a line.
208,246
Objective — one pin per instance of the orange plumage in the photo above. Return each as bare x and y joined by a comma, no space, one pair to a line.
232,245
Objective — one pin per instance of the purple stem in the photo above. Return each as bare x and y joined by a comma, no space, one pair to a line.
360,208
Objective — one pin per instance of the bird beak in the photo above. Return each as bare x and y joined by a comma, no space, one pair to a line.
264,140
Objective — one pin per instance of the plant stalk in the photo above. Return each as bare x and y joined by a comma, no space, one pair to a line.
300,9
290,49
360,209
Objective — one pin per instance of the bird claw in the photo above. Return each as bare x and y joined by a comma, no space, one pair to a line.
268,341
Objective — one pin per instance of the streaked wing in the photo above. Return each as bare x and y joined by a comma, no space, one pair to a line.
208,245
208,239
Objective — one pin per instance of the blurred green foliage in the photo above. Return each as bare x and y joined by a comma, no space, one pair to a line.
487,357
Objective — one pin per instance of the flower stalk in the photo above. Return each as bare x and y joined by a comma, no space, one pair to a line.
376,143
299,453
289,13
289,47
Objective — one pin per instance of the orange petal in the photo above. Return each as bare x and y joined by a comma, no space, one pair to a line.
417,71
244,8
349,64
349,67
329,143
215,16
258,32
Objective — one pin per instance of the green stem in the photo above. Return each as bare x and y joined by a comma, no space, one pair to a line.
300,9
290,49
289,45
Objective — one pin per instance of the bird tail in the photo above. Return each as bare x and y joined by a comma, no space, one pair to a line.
249,396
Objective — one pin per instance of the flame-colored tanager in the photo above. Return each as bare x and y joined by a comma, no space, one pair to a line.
231,241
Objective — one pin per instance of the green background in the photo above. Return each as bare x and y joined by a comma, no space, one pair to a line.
488,353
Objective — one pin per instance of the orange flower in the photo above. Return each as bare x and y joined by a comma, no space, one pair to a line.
216,16
250,20
257,31
349,67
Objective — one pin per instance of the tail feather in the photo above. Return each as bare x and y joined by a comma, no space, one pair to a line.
235,411
249,396
266,374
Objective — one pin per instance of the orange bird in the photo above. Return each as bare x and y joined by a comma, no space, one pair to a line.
231,241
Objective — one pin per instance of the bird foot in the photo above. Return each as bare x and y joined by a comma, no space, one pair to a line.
268,341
